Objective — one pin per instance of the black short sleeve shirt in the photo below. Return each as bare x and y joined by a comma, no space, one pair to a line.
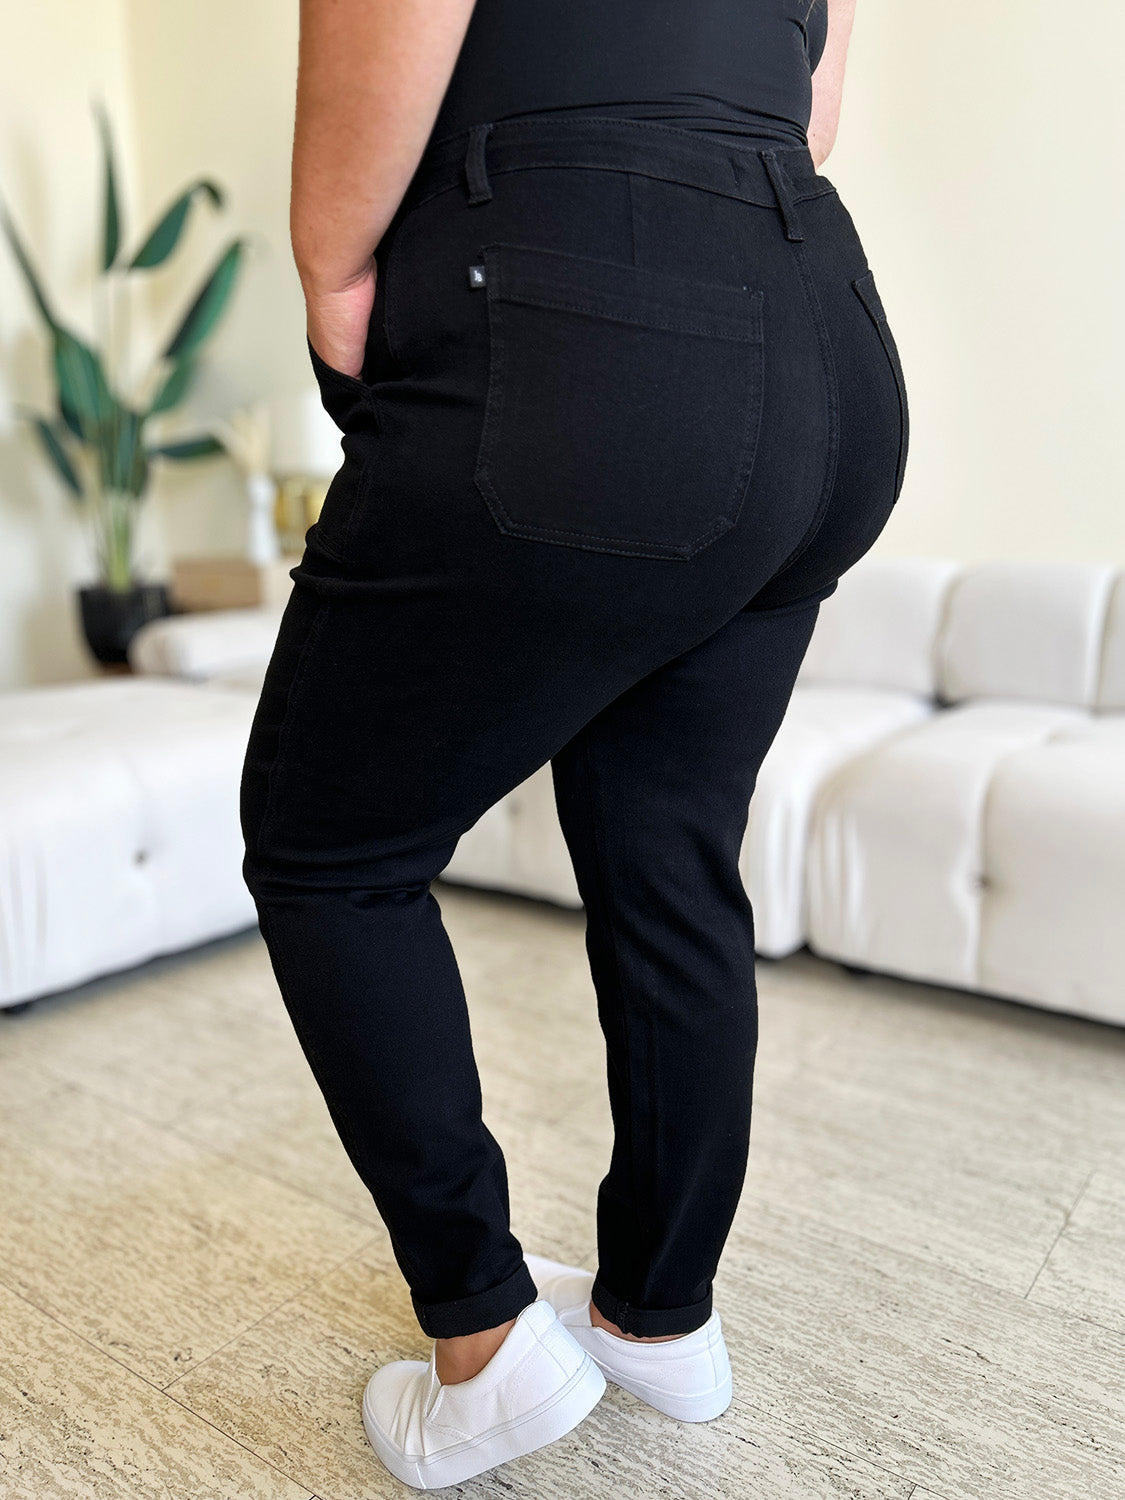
726,67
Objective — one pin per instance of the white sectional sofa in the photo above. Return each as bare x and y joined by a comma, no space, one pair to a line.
119,832
945,799
984,846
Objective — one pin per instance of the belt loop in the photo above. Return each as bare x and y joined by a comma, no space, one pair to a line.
783,194
476,173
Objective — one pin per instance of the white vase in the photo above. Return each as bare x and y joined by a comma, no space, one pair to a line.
262,545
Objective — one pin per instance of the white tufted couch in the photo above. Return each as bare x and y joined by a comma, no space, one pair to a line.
945,799
984,845
119,832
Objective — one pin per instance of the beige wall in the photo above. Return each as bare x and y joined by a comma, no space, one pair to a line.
196,90
978,154
57,56
214,86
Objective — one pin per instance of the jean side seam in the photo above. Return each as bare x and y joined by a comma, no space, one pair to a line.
632,218
868,293
285,727
336,545
317,1066
643,1223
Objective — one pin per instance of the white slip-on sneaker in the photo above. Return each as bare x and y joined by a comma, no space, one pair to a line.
537,1386
687,1377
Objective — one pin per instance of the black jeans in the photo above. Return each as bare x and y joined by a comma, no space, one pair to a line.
630,406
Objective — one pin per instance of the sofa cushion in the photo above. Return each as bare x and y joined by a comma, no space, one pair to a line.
897,863
824,726
119,831
1111,690
1025,630
207,643
518,846
1053,914
879,626
247,679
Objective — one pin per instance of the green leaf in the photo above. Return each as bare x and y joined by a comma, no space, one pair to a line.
67,417
24,260
137,476
204,312
56,452
111,223
119,439
197,447
84,393
165,234
174,386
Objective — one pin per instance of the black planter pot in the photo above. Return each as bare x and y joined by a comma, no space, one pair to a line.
112,617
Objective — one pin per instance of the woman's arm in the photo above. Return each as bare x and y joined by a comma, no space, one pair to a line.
828,80
371,76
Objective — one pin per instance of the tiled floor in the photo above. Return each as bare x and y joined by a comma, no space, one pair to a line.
923,1294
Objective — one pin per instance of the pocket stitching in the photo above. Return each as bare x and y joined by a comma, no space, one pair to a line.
868,293
494,406
523,528
509,282
643,322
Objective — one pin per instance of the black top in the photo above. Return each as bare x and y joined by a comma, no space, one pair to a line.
725,67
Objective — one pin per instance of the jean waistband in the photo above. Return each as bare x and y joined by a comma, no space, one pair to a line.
754,169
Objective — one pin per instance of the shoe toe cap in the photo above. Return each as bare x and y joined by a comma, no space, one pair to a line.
392,1395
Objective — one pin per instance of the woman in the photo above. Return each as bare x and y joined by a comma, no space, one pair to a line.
619,404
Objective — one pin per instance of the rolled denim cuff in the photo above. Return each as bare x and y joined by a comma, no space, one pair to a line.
647,1322
487,1309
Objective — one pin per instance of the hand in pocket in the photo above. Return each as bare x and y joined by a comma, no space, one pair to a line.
337,320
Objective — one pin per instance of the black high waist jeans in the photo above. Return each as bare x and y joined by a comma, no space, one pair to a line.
629,408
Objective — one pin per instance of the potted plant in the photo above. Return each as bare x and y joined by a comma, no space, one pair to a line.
97,436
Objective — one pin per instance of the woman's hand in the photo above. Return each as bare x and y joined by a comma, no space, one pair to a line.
371,75
337,320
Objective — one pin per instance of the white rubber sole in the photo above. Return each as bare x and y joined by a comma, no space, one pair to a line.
552,1419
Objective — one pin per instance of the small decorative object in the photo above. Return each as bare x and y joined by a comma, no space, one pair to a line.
96,437
305,452
246,437
262,543
288,449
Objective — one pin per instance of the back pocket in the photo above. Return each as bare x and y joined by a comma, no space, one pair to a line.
623,403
